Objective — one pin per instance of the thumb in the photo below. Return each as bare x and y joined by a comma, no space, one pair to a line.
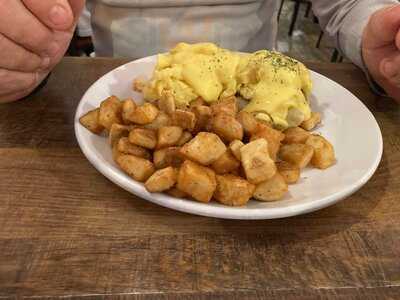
383,28
77,7
56,15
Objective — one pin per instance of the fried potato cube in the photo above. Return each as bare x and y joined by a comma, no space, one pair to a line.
118,131
167,102
110,112
184,119
167,157
295,135
161,180
226,105
161,120
227,127
138,168
138,84
226,163
196,102
203,116
272,189
324,154
272,136
235,146
186,137
128,108
177,193
289,172
257,164
115,152
125,147
248,121
168,136
90,121
197,181
205,148
233,190
297,154
144,114
146,138
312,122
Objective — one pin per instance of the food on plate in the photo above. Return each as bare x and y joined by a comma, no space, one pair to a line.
298,154
161,180
276,86
193,140
324,154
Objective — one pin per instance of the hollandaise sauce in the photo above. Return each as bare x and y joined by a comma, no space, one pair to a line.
275,85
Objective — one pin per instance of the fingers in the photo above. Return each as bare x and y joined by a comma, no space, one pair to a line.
383,27
56,14
14,81
19,25
390,69
77,7
15,57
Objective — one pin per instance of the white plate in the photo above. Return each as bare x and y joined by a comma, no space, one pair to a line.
347,123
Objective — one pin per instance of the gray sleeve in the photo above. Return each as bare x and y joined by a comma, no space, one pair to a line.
345,20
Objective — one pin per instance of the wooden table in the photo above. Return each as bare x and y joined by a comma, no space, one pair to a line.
65,230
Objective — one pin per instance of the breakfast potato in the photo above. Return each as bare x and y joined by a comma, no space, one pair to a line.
138,168
118,131
257,164
232,190
272,189
168,136
205,148
312,122
197,181
90,121
203,116
248,121
125,147
297,154
184,119
167,102
272,136
186,137
289,172
166,157
324,154
144,114
161,180
128,108
197,102
226,163
235,146
177,193
146,138
115,152
295,135
161,120
138,84
227,105
227,127
110,112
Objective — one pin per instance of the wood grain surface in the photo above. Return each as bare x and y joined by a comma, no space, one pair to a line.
66,231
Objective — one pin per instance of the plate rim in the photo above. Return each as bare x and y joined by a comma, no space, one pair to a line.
203,209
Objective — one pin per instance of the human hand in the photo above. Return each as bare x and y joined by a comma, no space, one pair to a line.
34,36
381,49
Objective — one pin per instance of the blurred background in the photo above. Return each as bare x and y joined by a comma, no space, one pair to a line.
299,35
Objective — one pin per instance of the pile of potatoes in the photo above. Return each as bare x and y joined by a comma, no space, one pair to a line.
207,152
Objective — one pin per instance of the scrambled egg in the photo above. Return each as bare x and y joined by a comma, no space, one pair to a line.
275,85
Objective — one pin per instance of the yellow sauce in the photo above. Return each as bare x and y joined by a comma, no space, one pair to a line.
275,85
